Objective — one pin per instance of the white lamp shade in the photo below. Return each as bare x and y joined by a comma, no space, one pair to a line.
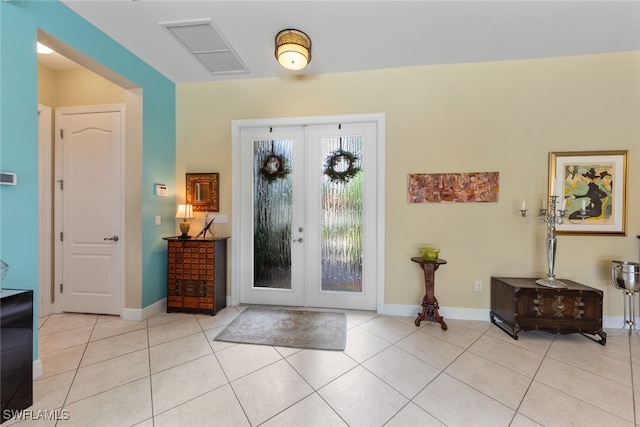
184,211
292,56
293,49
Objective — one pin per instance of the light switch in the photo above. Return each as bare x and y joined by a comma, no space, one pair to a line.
158,220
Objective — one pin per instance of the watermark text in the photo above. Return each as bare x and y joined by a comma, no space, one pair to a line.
36,415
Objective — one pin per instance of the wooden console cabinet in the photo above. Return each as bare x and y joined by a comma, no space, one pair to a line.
196,275
521,304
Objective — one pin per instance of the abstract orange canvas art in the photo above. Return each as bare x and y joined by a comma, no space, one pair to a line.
453,187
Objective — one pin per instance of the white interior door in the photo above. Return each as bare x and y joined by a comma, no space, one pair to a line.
307,239
89,186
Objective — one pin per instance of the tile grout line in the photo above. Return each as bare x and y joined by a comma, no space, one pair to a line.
533,378
316,391
469,385
233,390
153,418
441,371
75,373
548,357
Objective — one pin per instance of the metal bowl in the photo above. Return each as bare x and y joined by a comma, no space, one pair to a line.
626,275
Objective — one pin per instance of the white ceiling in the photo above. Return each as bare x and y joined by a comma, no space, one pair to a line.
366,35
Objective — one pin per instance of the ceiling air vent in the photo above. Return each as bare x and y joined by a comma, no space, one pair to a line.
207,44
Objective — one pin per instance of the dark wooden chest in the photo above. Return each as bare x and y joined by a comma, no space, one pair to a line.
196,275
520,304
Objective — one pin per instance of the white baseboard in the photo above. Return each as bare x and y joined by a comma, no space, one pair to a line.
446,312
613,322
37,369
144,313
462,313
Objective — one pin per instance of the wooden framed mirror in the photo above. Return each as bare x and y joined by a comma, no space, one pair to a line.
202,191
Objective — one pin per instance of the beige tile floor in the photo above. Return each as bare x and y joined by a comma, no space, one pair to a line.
168,371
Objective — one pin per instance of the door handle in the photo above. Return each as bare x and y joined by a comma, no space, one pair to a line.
114,238
300,240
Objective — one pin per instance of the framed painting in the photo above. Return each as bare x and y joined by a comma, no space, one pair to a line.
453,187
202,191
592,185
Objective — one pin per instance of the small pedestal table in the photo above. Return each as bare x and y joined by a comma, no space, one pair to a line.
430,302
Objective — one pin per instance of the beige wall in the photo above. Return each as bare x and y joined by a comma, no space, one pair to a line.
82,87
46,86
499,116
69,88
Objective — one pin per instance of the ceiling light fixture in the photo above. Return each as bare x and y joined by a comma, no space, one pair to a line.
293,49
43,49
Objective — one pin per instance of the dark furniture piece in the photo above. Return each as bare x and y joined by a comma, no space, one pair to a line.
430,302
521,304
196,275
16,351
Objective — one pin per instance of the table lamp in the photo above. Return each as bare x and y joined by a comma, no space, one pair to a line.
185,211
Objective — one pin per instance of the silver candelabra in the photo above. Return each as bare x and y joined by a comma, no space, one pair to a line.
552,217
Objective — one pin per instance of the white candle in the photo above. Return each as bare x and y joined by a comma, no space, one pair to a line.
553,189
564,204
524,204
584,204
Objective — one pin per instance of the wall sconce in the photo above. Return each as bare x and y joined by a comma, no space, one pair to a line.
293,49
185,211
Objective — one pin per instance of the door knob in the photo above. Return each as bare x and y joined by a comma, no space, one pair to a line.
114,238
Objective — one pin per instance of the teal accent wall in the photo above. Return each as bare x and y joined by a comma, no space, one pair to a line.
159,166
19,25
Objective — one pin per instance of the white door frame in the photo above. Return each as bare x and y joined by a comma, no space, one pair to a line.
56,306
45,209
236,185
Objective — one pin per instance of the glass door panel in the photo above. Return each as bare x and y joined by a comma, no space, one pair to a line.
272,214
341,234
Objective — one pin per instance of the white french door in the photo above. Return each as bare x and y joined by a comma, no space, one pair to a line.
308,235
273,213
341,243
